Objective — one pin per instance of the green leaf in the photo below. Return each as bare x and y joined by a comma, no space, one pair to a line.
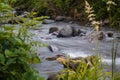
18,41
8,53
32,75
10,61
11,28
2,58
34,60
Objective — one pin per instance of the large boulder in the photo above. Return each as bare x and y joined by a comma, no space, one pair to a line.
65,31
69,31
53,29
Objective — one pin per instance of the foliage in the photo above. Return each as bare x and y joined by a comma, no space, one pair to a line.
16,56
72,8
16,50
4,7
114,51
85,72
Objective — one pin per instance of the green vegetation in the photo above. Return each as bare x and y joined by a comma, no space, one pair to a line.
73,8
16,57
17,50
85,71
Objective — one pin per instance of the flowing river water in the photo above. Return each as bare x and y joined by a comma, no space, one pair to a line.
71,46
74,47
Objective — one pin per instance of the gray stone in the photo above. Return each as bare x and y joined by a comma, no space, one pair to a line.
53,48
59,18
65,31
69,31
53,29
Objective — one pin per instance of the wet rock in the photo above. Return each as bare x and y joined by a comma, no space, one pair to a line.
65,31
53,29
68,19
100,35
52,76
76,31
54,57
70,31
59,18
110,34
51,58
53,48
47,21
106,22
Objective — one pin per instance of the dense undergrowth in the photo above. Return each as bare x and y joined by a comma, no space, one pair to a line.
73,8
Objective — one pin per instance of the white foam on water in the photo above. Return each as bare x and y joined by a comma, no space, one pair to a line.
109,61
74,54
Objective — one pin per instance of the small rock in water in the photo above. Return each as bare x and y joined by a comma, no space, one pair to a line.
47,21
53,48
53,29
51,58
59,18
54,57
110,34
100,35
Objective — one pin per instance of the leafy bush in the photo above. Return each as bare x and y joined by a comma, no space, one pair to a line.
16,56
16,51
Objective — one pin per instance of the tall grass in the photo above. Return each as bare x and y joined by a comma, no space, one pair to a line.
86,69
114,53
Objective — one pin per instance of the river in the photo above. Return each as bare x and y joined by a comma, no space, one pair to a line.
71,46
